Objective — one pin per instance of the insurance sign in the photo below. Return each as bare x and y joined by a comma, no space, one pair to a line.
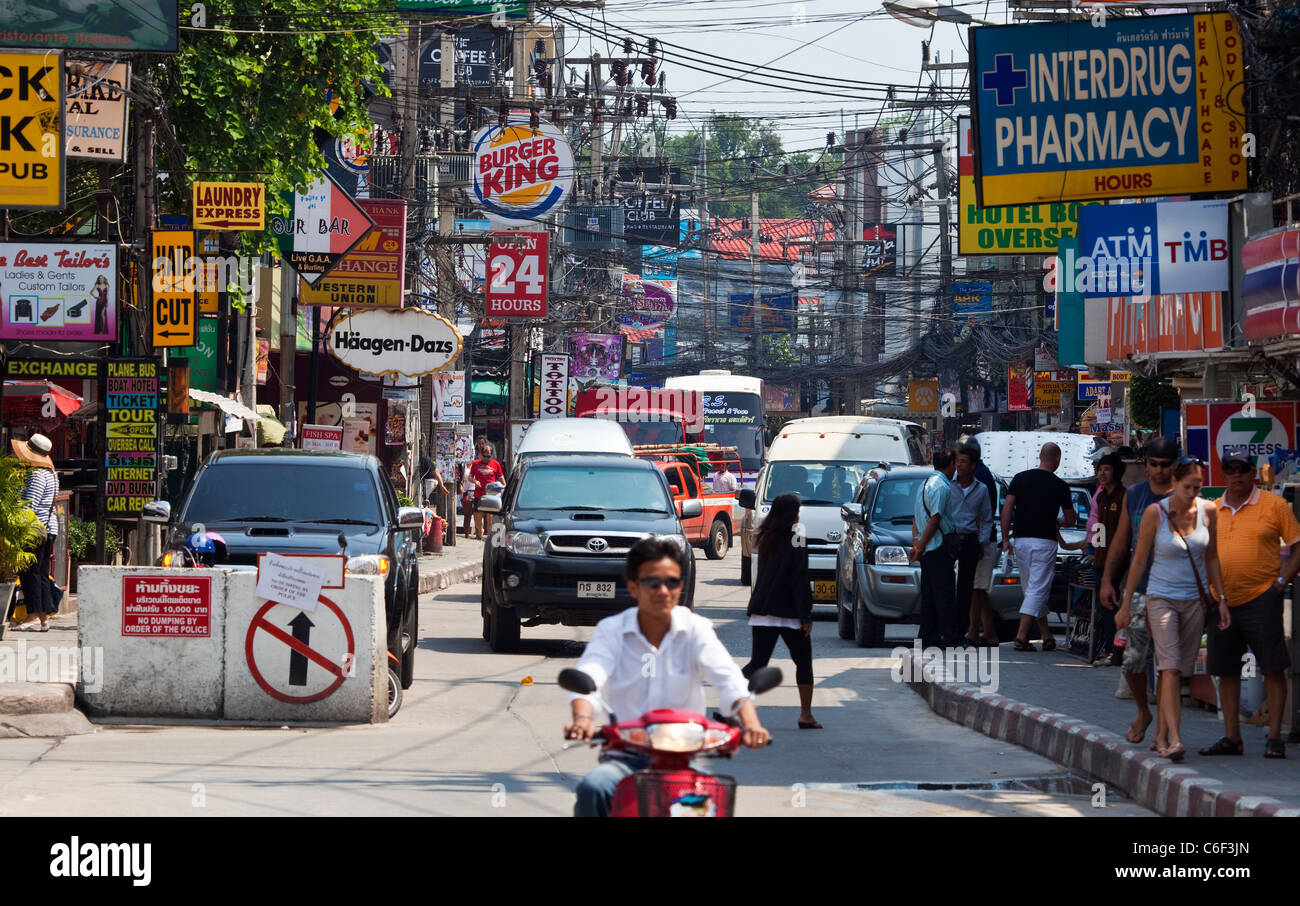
1064,110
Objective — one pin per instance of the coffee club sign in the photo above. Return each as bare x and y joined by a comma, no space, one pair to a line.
407,342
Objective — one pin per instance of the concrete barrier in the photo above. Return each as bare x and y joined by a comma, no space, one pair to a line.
198,643
156,662
336,671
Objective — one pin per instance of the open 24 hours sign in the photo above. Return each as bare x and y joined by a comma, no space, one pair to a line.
1064,110
516,276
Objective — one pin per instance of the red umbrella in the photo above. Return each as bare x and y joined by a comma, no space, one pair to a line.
26,399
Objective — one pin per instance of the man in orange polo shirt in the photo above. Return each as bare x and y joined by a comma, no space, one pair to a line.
1253,524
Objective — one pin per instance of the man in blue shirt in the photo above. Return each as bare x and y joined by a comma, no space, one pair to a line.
931,522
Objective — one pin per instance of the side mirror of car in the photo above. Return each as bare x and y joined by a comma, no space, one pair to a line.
674,490
158,511
747,498
494,487
851,512
488,503
692,508
410,517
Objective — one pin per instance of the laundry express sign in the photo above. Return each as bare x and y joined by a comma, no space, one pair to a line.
407,342
521,174
1064,111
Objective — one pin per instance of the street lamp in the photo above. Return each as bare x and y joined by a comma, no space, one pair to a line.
925,13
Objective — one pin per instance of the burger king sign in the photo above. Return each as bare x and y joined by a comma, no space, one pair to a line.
521,174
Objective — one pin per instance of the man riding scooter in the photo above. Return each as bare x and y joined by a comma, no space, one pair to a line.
653,656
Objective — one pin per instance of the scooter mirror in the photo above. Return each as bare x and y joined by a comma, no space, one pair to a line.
573,680
764,679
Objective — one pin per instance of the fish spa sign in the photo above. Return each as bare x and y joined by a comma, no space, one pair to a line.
521,174
407,342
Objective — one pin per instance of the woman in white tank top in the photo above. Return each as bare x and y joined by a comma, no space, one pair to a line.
1177,534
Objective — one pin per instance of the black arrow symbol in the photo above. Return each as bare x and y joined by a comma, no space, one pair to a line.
301,627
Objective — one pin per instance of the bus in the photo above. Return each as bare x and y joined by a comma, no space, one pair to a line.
733,414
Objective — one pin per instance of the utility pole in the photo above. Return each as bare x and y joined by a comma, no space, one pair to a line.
597,135
704,247
521,397
754,259
288,343
943,305
445,213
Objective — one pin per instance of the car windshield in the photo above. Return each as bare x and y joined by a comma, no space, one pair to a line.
573,488
643,433
747,439
1082,504
829,483
896,498
288,492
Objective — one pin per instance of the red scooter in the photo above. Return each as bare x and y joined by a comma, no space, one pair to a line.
670,787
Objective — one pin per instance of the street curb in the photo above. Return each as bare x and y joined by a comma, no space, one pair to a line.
1169,789
447,576
40,710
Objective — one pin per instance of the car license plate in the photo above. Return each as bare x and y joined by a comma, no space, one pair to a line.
595,589
824,591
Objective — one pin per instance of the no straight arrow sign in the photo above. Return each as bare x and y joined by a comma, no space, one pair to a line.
297,659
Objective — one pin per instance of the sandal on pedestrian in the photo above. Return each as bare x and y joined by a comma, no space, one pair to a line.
989,643
1049,644
33,626
1022,645
1225,746
1175,754
1274,748
809,725
973,643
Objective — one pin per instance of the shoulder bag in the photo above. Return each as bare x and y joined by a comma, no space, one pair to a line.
1206,601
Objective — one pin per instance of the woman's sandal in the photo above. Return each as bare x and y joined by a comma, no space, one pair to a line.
1021,645
809,725
1274,748
1175,754
1049,644
1225,746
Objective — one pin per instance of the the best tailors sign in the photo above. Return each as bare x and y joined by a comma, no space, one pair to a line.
1066,110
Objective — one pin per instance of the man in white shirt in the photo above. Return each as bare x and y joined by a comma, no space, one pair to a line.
655,655
725,481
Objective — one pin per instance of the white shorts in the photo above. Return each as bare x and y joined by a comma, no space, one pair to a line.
984,569
1036,559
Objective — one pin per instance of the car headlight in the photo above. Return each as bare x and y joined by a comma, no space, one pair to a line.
891,555
525,543
679,540
368,565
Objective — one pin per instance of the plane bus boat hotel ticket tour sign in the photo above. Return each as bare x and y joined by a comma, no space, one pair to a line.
1065,110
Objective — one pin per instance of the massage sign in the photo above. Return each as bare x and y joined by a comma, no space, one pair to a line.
131,399
407,342
521,174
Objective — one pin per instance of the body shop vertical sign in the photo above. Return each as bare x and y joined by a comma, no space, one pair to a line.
130,435
554,399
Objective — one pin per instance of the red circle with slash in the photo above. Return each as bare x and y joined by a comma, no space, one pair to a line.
340,673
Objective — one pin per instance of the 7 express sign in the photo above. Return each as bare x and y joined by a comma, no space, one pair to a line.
516,285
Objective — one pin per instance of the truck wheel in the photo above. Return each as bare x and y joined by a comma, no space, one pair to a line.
844,615
503,629
719,540
746,566
868,631
394,693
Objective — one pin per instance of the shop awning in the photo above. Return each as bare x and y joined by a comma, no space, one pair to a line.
488,392
225,404
32,393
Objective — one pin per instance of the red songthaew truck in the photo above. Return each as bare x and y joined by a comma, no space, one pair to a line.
691,479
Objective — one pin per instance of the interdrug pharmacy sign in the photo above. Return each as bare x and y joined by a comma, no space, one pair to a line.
1139,107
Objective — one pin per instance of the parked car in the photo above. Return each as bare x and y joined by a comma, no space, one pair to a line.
558,548
307,502
875,584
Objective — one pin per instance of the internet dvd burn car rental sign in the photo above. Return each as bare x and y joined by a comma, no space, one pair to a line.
521,174
1139,107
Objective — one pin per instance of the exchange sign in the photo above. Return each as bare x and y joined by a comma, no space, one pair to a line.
1063,110
516,277
32,167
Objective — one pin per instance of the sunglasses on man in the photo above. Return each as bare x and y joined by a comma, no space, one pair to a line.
653,583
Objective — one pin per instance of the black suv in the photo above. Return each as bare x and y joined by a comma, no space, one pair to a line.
557,552
286,501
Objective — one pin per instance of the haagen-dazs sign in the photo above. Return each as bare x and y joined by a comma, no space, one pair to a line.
408,342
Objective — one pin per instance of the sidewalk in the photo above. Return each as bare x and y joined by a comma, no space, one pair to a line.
462,563
1060,707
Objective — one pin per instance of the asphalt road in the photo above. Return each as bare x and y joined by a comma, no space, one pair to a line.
480,734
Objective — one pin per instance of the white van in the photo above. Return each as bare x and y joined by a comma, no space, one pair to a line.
823,460
572,435
1008,453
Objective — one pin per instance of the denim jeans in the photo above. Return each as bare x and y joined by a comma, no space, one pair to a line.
596,790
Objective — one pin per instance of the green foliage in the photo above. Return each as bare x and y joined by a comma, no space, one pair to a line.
249,107
403,500
18,524
735,142
81,540
777,350
1147,396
